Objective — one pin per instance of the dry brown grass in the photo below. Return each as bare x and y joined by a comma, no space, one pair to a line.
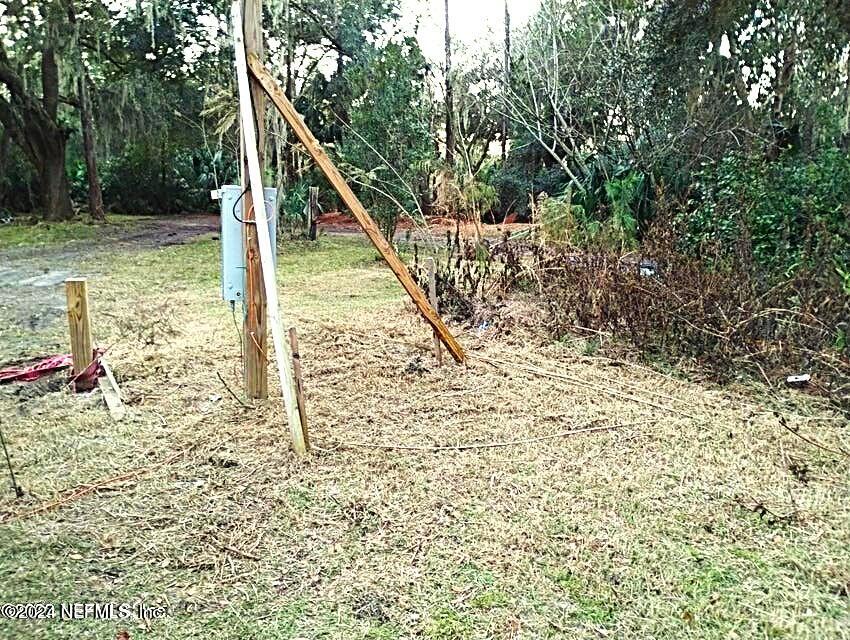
719,525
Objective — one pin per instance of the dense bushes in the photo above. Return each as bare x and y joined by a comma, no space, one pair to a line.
387,151
787,211
144,180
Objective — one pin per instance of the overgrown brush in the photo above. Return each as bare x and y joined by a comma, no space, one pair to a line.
730,319
472,278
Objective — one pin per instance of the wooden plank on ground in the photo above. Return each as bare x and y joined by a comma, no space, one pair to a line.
368,225
281,346
111,392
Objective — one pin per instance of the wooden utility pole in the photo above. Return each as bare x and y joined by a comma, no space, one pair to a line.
450,100
255,340
79,324
506,79
283,352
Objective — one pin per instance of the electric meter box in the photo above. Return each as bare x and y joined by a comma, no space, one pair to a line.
233,268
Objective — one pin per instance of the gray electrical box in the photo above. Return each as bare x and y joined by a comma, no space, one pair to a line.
233,241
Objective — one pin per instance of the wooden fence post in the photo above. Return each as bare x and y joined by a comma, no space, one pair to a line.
432,294
79,324
312,212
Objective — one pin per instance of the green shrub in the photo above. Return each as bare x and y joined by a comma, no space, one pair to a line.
563,221
784,212
387,150
145,180
291,203
624,194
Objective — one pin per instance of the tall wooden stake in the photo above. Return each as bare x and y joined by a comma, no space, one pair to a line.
255,365
312,212
432,295
282,351
79,324
299,382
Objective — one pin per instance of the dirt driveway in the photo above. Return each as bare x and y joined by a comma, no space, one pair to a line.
31,277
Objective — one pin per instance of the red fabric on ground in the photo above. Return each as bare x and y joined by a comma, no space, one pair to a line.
88,378
36,370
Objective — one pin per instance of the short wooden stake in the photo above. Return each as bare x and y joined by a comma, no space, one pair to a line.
111,392
432,294
79,324
299,384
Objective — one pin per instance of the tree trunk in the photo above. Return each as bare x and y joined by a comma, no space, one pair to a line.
783,129
846,129
5,144
450,132
53,179
87,129
33,125
86,121
55,188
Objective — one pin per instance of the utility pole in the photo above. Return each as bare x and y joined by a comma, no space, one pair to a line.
255,323
507,80
450,100
248,119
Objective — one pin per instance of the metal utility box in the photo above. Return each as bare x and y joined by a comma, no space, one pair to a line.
233,241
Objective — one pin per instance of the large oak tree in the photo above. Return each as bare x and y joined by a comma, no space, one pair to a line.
32,120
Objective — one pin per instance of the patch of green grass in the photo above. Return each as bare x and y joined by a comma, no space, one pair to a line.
471,574
448,624
331,274
589,607
386,631
490,599
194,265
482,582
707,580
591,347
300,498
21,234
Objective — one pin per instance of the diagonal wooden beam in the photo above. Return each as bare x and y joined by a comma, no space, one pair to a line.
287,110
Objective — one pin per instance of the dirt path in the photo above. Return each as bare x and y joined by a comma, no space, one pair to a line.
340,224
31,277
